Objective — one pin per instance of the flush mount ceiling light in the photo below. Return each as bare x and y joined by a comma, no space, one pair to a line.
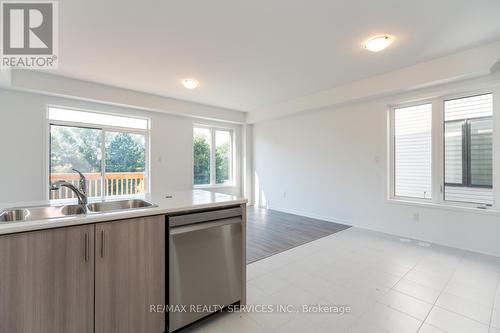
378,43
190,83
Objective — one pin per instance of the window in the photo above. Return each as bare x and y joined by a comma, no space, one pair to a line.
468,135
452,137
413,151
212,156
110,150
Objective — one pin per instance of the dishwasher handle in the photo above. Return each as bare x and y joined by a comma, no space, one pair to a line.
203,226
202,217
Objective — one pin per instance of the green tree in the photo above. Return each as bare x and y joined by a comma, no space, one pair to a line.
125,153
73,147
201,159
222,163
80,148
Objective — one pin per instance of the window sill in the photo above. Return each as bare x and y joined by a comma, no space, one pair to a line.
444,206
204,187
99,199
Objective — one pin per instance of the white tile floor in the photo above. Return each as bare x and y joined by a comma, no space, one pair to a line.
391,285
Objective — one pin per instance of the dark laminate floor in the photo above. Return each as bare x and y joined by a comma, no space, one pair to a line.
270,232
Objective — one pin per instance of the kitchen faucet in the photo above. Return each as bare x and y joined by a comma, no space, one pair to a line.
81,192
82,183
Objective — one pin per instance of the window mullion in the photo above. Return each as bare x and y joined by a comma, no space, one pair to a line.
212,157
464,153
467,154
103,163
437,144
495,147
231,159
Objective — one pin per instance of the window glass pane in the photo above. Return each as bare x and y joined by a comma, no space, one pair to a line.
474,114
481,152
223,157
75,148
201,156
125,163
413,151
469,107
97,118
453,152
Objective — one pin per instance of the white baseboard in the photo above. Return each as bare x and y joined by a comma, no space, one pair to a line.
384,231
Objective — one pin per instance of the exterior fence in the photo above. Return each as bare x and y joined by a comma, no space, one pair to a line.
115,183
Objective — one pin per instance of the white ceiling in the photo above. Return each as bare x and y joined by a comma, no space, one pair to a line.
253,53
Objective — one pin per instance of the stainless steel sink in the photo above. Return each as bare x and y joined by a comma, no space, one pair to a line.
39,213
13,215
20,214
109,206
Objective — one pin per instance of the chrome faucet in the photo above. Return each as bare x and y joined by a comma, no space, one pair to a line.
81,192
82,183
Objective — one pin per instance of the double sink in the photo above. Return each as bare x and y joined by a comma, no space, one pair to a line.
21,214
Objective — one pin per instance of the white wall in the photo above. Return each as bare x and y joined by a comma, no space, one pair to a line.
472,63
65,87
23,146
332,164
248,165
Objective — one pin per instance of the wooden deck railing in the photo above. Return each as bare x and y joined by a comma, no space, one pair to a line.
115,183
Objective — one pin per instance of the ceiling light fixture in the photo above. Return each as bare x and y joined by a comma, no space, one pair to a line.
190,83
378,43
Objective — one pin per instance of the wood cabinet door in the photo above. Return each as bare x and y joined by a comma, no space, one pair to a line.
130,275
47,281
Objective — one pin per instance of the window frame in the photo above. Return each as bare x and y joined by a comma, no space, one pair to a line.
438,150
232,169
104,129
392,150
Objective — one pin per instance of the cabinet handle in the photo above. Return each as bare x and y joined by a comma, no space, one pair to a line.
87,247
102,243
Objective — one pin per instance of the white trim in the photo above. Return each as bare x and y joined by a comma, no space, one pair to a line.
213,157
437,142
46,156
129,129
437,181
496,146
233,169
83,109
446,205
390,154
469,93
391,142
96,126
215,186
447,91
103,163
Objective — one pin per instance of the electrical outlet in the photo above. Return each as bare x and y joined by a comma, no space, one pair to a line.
416,217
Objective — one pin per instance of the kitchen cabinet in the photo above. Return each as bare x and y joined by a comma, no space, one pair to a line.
95,278
130,275
47,281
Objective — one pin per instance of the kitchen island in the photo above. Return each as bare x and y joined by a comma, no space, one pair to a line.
107,271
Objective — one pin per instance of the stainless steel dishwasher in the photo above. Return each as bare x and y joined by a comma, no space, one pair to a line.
205,264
